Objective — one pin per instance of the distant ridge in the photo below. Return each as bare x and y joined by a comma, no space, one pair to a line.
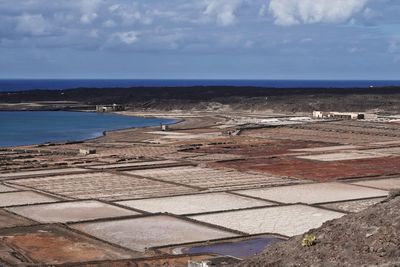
57,84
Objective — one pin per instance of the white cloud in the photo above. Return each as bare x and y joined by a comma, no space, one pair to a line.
291,12
126,37
263,10
370,14
89,10
88,18
223,10
114,7
132,13
34,25
109,23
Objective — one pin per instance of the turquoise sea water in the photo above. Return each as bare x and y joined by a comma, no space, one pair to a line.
36,127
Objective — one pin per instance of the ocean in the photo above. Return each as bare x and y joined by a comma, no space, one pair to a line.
59,84
37,127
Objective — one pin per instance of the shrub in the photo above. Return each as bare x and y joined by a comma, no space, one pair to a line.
309,240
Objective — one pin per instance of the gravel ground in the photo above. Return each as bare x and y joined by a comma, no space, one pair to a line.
368,238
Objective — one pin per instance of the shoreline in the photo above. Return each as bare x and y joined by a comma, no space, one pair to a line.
103,133
178,120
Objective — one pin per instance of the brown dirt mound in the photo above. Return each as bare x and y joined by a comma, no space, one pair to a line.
368,238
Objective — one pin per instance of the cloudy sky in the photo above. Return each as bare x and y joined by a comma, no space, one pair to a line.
195,39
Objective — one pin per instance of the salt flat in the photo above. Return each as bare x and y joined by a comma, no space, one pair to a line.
23,198
133,164
212,179
105,186
342,156
4,188
8,219
56,245
71,211
286,220
314,193
388,150
141,233
184,136
40,173
198,203
215,157
386,184
327,148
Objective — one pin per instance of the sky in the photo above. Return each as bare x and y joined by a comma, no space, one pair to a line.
200,39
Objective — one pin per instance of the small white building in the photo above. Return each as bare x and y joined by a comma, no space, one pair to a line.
85,152
320,114
110,108
338,115
164,127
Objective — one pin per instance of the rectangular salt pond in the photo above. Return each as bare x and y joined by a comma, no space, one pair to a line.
23,198
71,211
52,245
386,184
103,185
342,156
141,233
44,172
134,164
213,179
314,193
4,188
285,220
192,204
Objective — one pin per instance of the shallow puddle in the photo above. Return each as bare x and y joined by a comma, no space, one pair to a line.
240,249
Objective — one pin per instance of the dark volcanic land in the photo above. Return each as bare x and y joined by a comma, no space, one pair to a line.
385,99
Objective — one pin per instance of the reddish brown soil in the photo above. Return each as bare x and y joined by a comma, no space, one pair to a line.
317,170
263,149
317,136
54,245
368,238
